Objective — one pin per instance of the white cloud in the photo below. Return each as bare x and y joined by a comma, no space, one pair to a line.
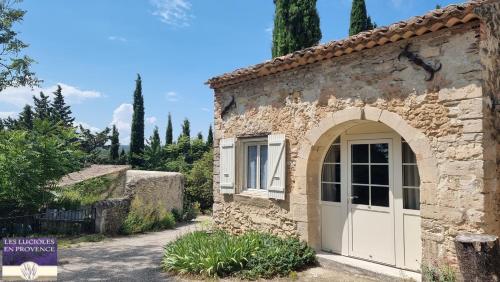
205,109
21,96
176,13
151,120
122,119
172,96
7,114
87,126
397,3
117,38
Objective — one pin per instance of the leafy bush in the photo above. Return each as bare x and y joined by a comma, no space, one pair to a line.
142,218
252,255
31,163
199,182
438,273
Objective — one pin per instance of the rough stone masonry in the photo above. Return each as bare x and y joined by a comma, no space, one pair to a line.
452,121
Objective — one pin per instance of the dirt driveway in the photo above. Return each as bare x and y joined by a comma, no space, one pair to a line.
137,258
134,258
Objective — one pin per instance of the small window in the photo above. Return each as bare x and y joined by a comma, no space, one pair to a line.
256,165
330,174
411,178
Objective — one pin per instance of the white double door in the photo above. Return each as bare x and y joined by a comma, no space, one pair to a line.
370,200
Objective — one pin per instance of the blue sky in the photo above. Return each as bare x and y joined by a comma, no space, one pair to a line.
95,48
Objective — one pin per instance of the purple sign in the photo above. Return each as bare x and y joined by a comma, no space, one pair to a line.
29,258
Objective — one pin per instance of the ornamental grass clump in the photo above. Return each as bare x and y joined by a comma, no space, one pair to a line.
252,255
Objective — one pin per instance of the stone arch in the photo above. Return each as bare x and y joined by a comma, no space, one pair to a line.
304,195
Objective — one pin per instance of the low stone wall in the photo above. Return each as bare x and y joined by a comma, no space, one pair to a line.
163,190
141,192
110,215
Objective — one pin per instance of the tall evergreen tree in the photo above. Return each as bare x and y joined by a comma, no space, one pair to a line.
115,145
153,154
169,138
199,136
360,21
438,6
296,26
60,112
210,138
2,126
137,133
25,120
42,106
186,131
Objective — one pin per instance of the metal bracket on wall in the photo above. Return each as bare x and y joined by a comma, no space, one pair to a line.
414,58
227,107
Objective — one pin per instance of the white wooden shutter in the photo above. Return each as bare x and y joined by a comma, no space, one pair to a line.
277,166
227,165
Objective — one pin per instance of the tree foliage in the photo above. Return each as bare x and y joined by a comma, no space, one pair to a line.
296,26
92,144
210,138
169,135
42,106
60,112
25,120
114,154
199,181
31,162
153,154
137,132
360,21
14,67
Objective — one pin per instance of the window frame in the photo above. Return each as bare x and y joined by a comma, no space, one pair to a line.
246,144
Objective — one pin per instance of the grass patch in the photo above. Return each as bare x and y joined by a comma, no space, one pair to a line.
444,273
84,193
251,256
142,218
66,242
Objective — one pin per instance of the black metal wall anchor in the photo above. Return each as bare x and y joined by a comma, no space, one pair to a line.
414,58
227,107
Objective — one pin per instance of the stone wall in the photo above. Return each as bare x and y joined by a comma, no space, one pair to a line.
449,112
490,59
162,190
110,215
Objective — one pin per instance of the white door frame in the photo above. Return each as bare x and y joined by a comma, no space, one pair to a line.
397,193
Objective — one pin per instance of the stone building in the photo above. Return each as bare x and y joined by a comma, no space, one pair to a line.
382,146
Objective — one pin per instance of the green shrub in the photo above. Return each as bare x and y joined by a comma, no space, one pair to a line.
84,193
252,255
443,273
142,218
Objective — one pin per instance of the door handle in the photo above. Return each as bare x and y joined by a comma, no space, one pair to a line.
353,197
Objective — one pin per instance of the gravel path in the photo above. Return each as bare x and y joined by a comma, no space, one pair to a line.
135,258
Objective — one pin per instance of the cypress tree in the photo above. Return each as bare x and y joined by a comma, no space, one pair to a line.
186,131
26,118
296,26
1,125
199,136
155,140
59,110
115,145
438,6
137,132
169,138
42,106
210,138
360,21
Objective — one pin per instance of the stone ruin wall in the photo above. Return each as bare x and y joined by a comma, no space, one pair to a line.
448,110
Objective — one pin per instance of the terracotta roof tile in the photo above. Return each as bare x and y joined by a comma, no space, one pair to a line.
415,26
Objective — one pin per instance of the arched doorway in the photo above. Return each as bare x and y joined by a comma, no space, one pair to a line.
369,196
